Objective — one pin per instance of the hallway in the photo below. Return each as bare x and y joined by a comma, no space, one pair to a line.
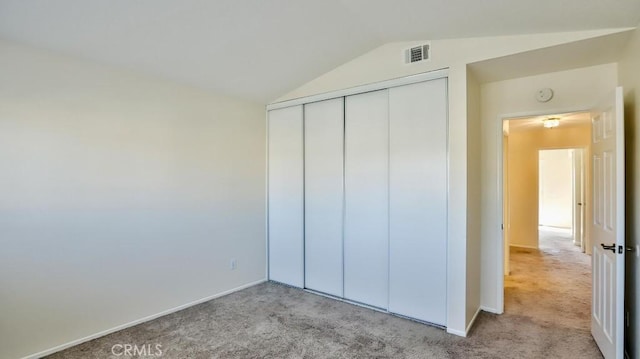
552,285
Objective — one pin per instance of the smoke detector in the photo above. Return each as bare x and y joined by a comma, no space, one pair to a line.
417,54
544,95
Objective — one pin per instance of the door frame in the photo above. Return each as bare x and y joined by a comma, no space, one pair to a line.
500,210
579,177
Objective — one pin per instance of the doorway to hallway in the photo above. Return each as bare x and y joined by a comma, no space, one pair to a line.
551,284
545,174
605,205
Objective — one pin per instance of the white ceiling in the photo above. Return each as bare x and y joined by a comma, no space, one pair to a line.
590,52
261,49
574,119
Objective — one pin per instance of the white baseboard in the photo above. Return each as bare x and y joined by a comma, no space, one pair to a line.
459,333
523,246
490,310
473,320
139,321
464,333
554,227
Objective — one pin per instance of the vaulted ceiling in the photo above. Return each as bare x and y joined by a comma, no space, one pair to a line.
260,49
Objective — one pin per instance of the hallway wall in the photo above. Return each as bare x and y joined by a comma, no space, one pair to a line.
523,157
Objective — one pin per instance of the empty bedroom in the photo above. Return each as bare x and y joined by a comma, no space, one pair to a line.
317,179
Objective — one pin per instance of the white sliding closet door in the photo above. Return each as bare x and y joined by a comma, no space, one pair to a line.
286,263
366,240
418,201
323,195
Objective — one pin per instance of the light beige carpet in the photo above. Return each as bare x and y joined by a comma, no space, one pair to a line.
547,316
552,284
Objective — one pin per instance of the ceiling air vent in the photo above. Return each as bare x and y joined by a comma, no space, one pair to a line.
417,54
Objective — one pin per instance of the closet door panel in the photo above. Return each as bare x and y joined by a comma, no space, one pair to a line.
366,241
418,201
285,190
323,181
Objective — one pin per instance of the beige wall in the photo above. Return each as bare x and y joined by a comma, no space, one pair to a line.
577,89
556,188
121,197
629,78
523,183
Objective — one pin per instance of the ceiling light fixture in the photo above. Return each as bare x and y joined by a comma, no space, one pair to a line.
551,122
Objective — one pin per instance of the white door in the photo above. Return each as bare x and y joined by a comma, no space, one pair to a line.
285,176
323,195
418,201
607,226
366,227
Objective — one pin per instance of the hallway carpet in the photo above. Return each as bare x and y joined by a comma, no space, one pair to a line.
546,316
552,284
